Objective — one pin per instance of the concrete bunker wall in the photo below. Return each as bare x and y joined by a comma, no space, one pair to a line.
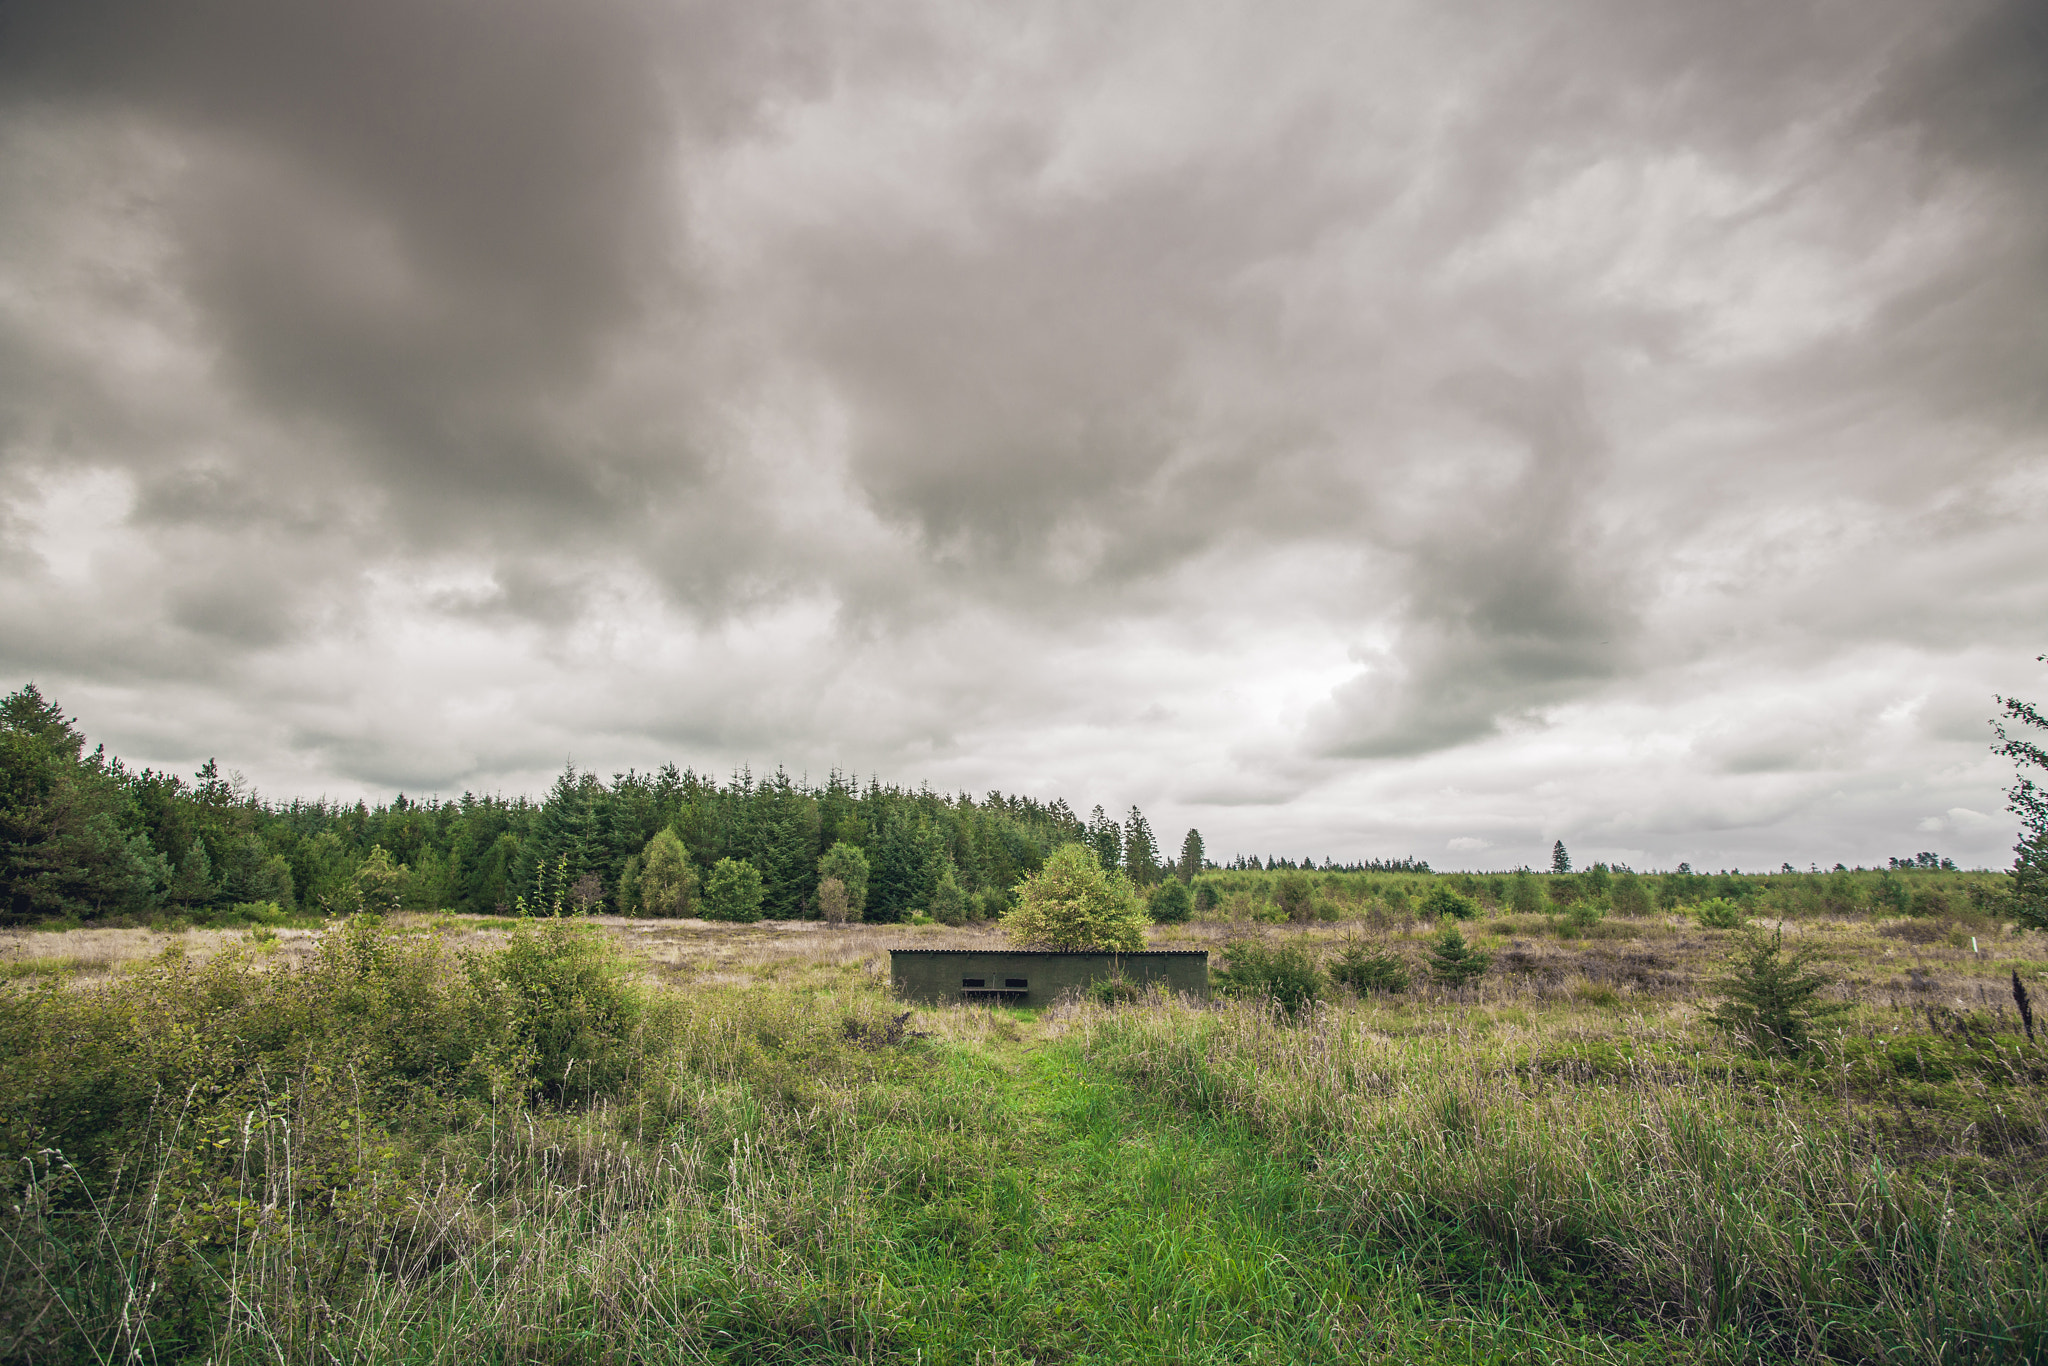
1037,977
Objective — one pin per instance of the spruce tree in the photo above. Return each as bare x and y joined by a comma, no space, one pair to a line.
1141,852
1190,856
1453,962
1560,861
193,885
1771,1004
1106,838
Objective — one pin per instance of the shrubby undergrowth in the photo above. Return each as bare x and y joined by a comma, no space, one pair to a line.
228,1161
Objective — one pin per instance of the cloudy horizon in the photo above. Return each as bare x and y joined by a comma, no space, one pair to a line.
1425,430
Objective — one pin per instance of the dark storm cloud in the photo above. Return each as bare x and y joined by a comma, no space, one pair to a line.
1974,337
416,225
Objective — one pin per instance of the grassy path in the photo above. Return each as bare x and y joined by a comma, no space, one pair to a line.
1071,1222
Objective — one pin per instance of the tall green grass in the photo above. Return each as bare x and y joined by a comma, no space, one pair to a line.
1644,1186
403,1152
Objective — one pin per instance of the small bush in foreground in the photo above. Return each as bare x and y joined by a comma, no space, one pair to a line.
1443,903
1170,903
1719,913
1285,975
1453,962
1771,1005
1115,991
1367,971
1294,896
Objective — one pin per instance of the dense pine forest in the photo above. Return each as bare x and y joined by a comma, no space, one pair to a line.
88,839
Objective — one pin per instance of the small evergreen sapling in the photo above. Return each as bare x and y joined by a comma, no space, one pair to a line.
1453,962
1284,975
381,882
1771,1003
1367,970
948,903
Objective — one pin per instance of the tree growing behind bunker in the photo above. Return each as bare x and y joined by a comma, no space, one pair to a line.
1074,903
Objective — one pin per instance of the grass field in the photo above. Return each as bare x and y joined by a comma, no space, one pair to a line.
455,1140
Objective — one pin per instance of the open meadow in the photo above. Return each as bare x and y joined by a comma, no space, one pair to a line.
441,1138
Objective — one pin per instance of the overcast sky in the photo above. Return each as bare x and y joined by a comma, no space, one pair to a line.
1426,428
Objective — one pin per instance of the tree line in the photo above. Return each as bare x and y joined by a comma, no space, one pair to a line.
83,837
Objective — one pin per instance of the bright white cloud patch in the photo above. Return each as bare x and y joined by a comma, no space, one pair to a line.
1430,430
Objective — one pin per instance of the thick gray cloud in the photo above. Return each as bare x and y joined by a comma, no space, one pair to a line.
1439,429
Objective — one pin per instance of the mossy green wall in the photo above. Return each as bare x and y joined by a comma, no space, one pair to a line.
935,976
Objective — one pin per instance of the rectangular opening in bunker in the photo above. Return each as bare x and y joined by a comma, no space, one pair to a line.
1015,983
973,982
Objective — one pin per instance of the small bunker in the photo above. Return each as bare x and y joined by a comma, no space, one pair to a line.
1037,977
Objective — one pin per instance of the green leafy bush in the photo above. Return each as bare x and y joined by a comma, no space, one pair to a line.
1368,971
1719,913
667,882
1453,962
1170,903
1630,897
1285,974
1294,897
573,1007
849,864
733,892
1444,903
1580,917
1114,991
1072,903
